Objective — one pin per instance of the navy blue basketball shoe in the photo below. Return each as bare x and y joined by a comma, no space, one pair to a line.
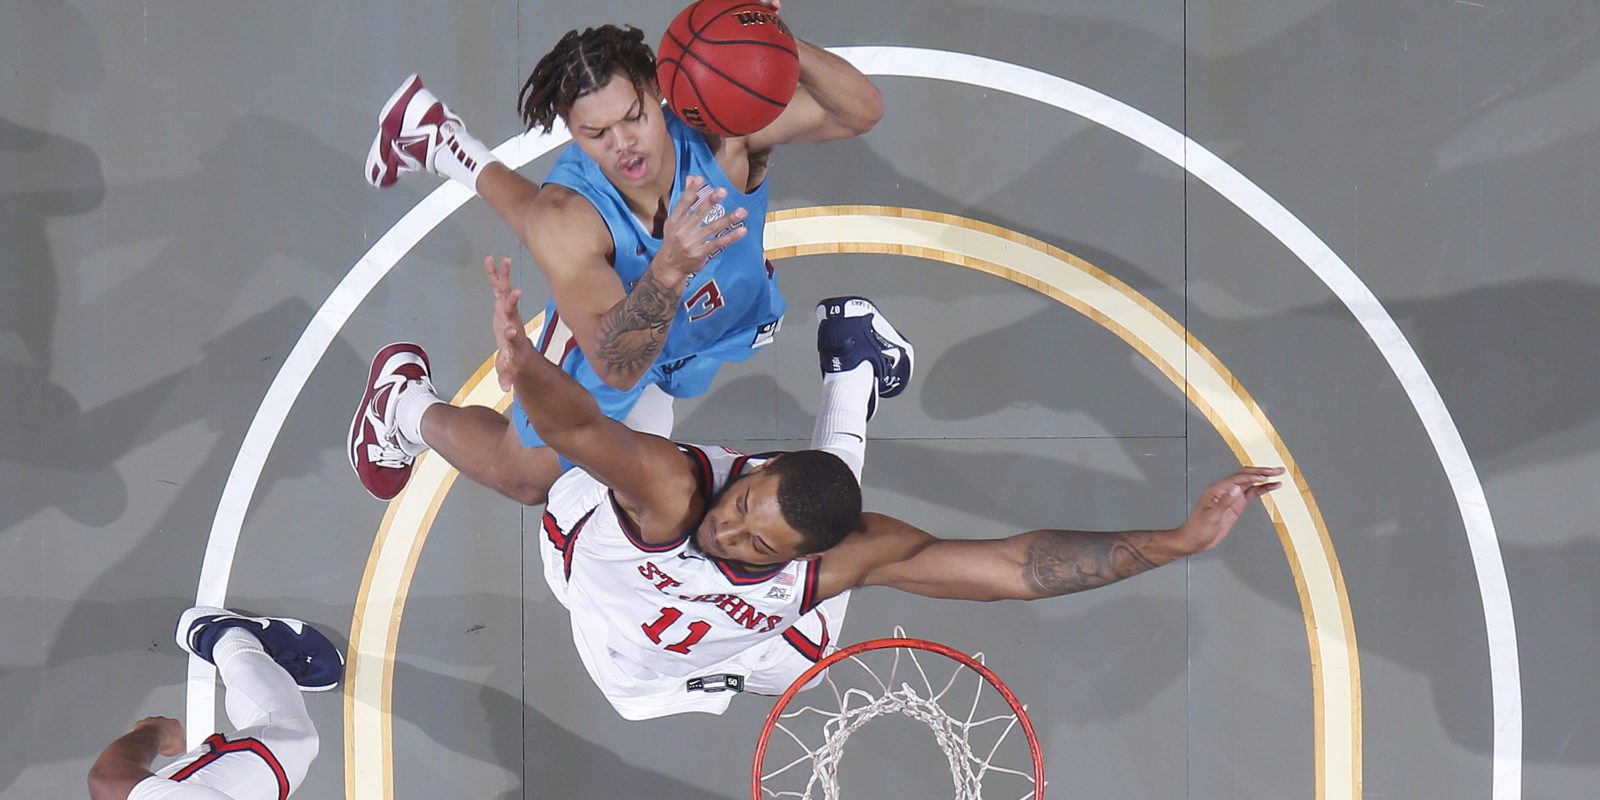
851,330
313,661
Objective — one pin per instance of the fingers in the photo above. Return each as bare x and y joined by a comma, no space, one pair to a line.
1244,485
690,196
730,233
693,201
509,301
1261,489
1246,477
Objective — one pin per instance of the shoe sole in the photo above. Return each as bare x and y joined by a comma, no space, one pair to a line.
378,361
379,173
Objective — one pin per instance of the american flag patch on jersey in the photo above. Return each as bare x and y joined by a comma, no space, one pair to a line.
784,579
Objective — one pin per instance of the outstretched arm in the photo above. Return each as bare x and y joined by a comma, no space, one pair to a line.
126,761
644,471
1036,564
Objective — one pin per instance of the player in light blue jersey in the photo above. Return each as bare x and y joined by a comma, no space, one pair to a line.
648,231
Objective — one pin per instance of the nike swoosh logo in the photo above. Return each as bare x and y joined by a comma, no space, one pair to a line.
857,437
893,356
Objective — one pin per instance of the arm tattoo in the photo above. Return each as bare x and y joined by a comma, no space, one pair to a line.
630,335
1061,563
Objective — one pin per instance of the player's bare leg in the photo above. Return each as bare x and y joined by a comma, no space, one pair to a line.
484,446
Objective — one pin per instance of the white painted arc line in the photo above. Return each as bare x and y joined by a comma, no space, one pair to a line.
1482,540
313,344
1160,341
1071,97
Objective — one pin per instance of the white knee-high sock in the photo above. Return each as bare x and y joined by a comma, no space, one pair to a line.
259,692
841,427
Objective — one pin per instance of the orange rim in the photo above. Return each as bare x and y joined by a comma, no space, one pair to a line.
886,644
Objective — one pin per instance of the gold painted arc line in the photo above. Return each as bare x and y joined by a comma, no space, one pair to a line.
1000,252
369,664
1325,607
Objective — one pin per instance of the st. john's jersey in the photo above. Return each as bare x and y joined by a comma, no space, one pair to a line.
667,610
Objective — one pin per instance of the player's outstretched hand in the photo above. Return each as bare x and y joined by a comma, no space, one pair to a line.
168,731
510,340
1221,504
688,239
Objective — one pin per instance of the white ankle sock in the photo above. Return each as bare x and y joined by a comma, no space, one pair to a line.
841,426
415,399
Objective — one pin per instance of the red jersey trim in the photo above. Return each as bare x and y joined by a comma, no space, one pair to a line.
811,650
552,531
739,577
571,544
549,332
220,747
808,596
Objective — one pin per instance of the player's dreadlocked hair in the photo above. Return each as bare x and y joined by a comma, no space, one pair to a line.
818,496
581,63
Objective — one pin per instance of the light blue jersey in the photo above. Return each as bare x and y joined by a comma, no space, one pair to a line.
729,308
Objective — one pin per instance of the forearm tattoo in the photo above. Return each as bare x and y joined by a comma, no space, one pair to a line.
1062,563
630,336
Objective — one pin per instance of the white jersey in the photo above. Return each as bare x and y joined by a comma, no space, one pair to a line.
648,618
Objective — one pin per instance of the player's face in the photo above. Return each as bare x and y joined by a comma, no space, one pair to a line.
622,129
745,526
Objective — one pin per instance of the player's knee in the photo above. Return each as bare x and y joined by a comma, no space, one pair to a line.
296,755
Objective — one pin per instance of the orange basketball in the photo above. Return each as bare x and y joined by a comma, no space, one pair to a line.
727,67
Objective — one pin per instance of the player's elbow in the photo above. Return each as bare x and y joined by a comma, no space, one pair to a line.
617,379
106,784
868,112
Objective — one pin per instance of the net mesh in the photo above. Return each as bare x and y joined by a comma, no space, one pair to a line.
979,740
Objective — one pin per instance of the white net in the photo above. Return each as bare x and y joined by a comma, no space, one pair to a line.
978,735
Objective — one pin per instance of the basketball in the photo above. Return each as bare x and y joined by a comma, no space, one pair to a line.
727,67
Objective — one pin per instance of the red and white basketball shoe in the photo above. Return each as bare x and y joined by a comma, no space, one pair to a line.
381,455
417,132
